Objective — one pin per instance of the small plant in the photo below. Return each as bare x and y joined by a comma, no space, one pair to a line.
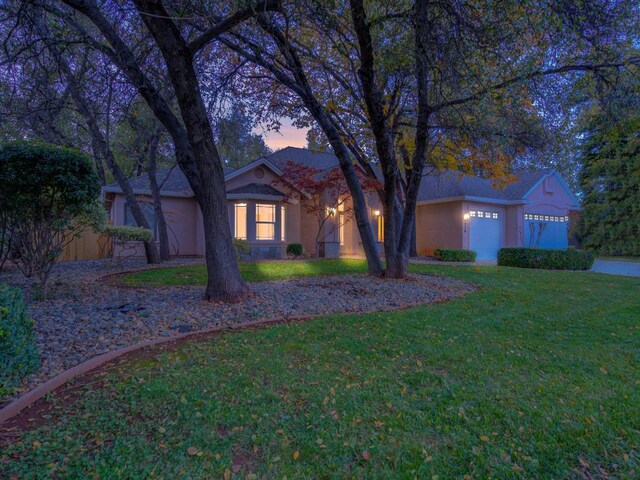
570,259
18,352
294,249
454,255
242,247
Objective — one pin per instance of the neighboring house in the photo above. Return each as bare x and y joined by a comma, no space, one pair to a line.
453,211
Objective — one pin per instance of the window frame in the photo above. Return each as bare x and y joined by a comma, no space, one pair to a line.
271,206
244,206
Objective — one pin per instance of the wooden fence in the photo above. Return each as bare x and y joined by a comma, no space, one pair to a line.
88,246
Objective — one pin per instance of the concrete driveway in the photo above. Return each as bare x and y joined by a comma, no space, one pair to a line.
617,267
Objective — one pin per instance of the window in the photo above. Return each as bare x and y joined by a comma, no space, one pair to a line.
241,221
380,228
546,218
148,211
265,222
282,223
341,228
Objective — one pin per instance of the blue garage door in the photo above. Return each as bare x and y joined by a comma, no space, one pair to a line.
546,231
485,233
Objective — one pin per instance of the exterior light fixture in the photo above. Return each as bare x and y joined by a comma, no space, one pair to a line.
376,213
466,216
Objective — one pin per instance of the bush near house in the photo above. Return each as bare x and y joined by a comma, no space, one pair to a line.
294,249
127,233
570,259
18,352
454,255
242,247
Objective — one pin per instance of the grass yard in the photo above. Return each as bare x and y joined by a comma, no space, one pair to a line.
251,272
536,375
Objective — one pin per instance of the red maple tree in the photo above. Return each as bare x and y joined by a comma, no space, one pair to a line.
327,192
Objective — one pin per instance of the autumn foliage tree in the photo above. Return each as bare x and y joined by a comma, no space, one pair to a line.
327,195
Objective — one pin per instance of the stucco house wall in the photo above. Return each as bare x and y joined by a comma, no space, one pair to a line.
550,198
180,218
439,225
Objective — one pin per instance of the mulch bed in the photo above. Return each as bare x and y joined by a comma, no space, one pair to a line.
84,317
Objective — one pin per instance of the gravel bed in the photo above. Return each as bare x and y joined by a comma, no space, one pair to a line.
83,318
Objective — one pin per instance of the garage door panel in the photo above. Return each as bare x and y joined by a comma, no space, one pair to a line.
485,233
546,231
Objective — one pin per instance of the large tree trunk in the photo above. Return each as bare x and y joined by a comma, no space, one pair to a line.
224,280
161,224
195,151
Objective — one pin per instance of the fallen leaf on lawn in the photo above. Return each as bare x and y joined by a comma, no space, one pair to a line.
36,444
162,430
584,463
192,450
603,370
296,455
484,438
366,455
227,474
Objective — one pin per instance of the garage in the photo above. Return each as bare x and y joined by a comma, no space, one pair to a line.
546,231
485,233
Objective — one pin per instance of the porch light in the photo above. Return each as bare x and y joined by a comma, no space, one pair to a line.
376,213
331,211
466,216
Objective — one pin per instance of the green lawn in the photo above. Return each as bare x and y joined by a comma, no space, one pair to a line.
252,272
536,375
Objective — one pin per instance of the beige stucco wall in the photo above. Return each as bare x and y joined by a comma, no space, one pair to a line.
439,225
180,218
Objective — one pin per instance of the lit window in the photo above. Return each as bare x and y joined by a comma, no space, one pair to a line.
381,228
495,215
282,223
480,214
241,221
546,218
341,228
566,219
265,222
473,213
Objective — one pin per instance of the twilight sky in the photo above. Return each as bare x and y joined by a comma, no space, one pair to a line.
288,136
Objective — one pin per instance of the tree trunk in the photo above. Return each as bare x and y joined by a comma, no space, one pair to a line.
161,224
197,160
101,148
224,282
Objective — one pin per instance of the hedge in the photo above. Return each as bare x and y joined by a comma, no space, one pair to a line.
128,233
454,255
294,249
570,259
18,352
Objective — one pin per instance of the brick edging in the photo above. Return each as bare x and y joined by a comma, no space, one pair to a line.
32,396
16,406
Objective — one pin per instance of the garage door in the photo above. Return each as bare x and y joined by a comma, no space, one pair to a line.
485,228
546,231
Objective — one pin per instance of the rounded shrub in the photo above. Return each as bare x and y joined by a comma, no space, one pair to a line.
241,247
294,249
18,351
